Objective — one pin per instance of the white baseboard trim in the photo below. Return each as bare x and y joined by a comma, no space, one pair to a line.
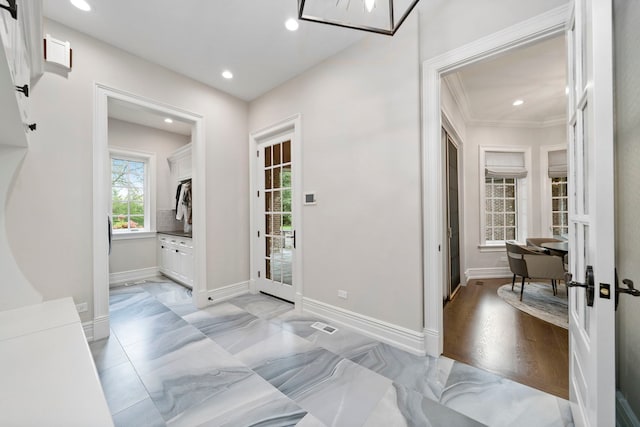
87,327
625,415
227,292
432,342
397,336
96,329
487,273
133,275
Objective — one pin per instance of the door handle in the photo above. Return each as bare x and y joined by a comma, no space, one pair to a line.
294,239
109,233
12,8
589,284
630,289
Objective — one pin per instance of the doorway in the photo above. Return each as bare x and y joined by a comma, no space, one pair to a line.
102,195
276,211
453,213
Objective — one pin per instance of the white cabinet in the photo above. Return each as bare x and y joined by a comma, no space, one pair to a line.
175,255
20,62
180,164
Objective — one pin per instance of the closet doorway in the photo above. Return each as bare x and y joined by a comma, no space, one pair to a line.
131,170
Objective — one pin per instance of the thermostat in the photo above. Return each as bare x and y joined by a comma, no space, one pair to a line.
310,198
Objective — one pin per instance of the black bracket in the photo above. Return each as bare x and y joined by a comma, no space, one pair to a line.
12,8
589,284
630,289
24,89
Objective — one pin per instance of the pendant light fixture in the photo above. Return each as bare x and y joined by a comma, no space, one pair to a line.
376,16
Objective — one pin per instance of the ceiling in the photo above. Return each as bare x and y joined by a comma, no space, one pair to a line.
132,113
201,38
485,91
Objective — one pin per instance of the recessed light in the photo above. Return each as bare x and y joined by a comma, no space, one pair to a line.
291,24
81,4
168,120
518,102
227,74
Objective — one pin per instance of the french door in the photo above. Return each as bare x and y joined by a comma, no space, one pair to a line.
275,220
453,214
591,214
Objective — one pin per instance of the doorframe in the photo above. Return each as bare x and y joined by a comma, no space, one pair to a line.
457,142
293,125
543,26
102,94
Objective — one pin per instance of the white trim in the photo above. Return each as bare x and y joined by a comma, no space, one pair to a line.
292,125
397,336
625,417
227,292
487,273
133,275
150,178
134,235
87,328
101,196
537,28
524,191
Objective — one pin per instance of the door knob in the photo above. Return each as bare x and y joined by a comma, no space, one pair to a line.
589,284
630,289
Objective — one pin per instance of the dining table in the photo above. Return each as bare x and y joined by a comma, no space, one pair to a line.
560,247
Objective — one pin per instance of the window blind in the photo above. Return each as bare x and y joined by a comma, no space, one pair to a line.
505,164
558,164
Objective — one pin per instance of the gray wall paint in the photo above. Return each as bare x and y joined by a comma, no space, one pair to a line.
361,154
49,213
627,64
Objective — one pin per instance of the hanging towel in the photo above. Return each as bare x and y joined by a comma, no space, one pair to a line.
180,210
178,196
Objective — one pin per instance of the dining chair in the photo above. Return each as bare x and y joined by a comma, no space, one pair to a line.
530,263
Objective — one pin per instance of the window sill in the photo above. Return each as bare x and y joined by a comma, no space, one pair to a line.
496,247
133,235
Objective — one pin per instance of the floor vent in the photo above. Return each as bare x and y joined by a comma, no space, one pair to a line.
480,283
324,328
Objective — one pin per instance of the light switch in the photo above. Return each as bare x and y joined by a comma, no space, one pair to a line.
310,198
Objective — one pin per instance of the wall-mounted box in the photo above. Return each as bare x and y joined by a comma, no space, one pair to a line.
58,52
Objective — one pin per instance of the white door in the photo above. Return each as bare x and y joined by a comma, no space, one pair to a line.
275,221
591,213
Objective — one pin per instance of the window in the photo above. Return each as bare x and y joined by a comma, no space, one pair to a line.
501,209
559,206
503,195
131,190
557,213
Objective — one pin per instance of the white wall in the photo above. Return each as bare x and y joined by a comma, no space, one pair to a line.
140,253
477,136
627,63
49,213
361,154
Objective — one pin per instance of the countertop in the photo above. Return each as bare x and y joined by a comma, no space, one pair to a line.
178,233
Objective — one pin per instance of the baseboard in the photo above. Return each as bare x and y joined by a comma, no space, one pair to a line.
487,273
96,329
87,327
227,292
397,336
133,275
625,417
432,341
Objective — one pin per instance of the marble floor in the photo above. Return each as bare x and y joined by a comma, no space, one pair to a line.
252,361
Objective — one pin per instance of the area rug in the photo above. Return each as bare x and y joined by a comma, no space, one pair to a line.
539,301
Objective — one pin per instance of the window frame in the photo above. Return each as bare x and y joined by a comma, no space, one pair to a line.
149,160
523,198
546,218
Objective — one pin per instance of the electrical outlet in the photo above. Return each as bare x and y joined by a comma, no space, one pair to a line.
82,307
342,294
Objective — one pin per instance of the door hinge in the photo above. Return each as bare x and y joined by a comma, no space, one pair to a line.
258,153
258,233
258,192
258,274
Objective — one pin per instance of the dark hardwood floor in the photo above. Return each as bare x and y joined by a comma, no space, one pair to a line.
482,330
